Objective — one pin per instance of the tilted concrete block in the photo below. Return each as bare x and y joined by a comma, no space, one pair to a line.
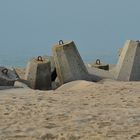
97,74
68,62
7,77
38,73
128,66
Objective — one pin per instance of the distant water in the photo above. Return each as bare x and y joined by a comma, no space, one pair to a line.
18,57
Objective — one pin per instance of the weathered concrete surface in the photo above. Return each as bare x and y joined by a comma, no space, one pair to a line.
53,68
97,74
38,73
119,51
7,77
128,66
68,62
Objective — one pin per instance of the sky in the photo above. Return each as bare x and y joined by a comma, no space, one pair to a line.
98,27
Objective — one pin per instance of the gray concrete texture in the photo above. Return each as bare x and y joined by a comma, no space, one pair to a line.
68,62
7,77
128,66
38,73
97,74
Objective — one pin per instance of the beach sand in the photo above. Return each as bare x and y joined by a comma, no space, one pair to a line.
78,110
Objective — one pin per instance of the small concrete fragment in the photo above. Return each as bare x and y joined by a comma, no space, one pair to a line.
68,62
38,73
128,66
98,64
7,77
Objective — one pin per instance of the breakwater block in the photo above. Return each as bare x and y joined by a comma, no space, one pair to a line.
7,77
98,64
99,74
38,73
68,62
128,66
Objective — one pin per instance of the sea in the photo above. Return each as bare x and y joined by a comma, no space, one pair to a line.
18,57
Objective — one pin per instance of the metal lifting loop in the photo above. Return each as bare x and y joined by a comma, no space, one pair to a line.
39,58
5,71
98,62
61,42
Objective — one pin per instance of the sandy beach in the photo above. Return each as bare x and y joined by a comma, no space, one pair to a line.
79,110
69,70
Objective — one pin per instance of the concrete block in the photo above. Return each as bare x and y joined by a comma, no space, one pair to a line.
97,74
98,64
38,73
68,62
53,68
7,77
128,66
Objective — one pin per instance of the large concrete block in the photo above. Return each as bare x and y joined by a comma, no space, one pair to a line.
68,62
128,66
38,73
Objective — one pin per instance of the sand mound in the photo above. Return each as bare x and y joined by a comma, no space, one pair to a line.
76,86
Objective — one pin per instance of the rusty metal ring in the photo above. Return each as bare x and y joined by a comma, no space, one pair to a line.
98,62
4,71
39,58
61,42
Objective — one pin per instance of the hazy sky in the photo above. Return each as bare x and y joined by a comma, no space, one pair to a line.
98,27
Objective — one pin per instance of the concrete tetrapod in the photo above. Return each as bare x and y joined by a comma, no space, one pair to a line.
128,66
38,73
68,62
